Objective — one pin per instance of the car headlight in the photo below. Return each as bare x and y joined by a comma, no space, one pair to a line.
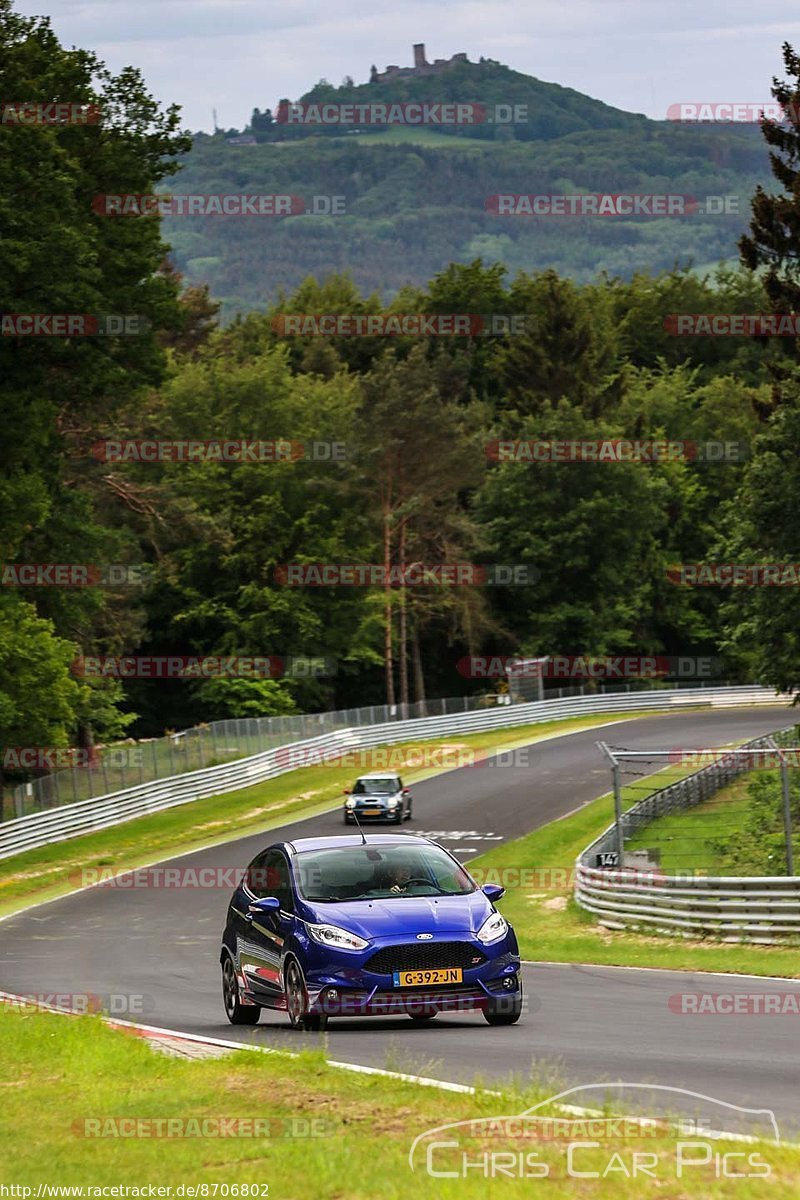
349,803
338,939
493,928
393,803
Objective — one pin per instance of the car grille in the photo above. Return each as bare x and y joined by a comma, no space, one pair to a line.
419,956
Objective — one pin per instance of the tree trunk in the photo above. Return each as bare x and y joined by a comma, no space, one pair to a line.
403,625
387,607
419,678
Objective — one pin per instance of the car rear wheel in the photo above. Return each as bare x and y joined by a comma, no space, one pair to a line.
236,1012
297,1001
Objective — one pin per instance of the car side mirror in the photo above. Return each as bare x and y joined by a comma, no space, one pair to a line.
493,891
264,906
406,791
346,792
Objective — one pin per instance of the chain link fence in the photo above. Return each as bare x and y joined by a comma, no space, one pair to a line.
687,824
129,763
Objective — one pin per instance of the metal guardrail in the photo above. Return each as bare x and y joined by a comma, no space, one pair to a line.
72,820
130,763
764,909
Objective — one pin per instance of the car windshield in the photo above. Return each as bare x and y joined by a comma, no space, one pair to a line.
370,872
375,787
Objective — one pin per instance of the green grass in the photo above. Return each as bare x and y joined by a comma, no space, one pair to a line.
732,833
54,870
57,1073
538,873
688,840
416,136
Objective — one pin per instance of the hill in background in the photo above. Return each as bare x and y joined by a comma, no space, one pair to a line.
416,199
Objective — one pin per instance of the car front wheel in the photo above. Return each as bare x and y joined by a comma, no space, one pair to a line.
236,1012
505,1010
297,1001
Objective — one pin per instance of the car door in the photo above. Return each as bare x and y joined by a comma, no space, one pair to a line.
262,948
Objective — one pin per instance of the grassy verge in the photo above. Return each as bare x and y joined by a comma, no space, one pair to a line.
538,871
323,1134
738,831
413,135
688,840
54,870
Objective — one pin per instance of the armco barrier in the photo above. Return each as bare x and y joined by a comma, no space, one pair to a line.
764,909
72,820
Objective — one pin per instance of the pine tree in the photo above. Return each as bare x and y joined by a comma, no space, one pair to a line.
774,239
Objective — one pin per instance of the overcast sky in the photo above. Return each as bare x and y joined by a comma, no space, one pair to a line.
234,55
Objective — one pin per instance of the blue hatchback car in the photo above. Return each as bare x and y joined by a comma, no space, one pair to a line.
366,926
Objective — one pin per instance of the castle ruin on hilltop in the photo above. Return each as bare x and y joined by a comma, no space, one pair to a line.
420,67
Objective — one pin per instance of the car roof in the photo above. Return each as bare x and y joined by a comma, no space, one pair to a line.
380,775
340,841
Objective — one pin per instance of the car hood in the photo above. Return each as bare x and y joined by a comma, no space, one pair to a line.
405,916
373,796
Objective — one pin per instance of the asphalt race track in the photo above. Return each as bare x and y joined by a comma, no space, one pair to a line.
590,1023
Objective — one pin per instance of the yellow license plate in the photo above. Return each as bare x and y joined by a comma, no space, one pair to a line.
428,978
371,812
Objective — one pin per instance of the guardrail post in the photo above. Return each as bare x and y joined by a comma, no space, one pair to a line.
617,803
19,798
787,809
618,814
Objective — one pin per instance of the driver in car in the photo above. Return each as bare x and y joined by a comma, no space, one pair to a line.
395,878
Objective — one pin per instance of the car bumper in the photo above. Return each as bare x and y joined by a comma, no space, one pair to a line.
357,992
382,1003
385,814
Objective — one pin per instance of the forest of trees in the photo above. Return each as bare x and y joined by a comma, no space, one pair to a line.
594,360
410,208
